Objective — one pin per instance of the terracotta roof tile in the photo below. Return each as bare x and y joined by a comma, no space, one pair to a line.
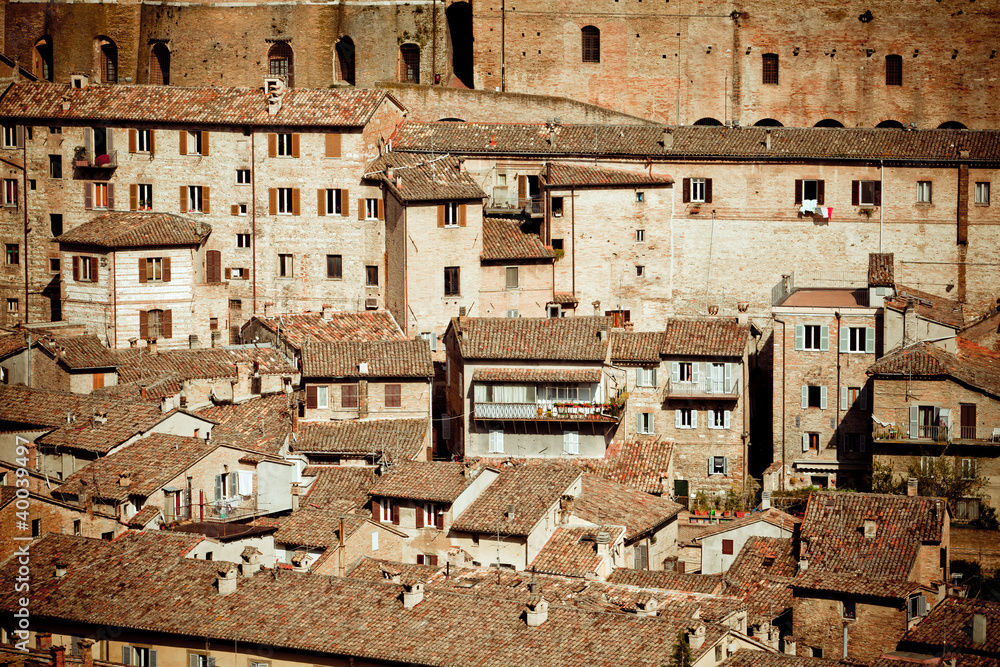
12,343
436,481
668,580
705,338
929,306
131,229
510,374
606,501
399,439
202,363
773,516
880,270
261,424
639,462
765,659
42,407
342,326
531,489
974,366
143,517
339,488
425,178
564,174
532,338
385,359
79,352
511,239
761,575
572,551
953,619
300,107
855,584
310,527
636,346
124,421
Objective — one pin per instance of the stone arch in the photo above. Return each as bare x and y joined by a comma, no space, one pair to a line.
107,59
710,122
345,62
450,120
952,125
41,59
768,122
459,16
590,40
281,61
159,64
891,124
829,122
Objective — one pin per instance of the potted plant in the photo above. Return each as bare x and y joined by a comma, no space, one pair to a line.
80,157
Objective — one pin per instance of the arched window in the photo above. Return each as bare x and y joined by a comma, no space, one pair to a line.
829,122
280,62
891,124
952,125
768,122
345,60
591,40
159,64
409,63
41,65
894,70
708,122
770,63
108,61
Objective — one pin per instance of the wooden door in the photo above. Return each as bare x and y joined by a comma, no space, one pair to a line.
968,421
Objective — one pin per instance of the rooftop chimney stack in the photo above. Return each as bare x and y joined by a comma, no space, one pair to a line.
603,542
696,638
86,651
227,578
668,139
767,139
871,529
911,487
151,346
910,322
765,500
979,629
251,561
413,594
58,656
646,606
60,569
538,611
43,641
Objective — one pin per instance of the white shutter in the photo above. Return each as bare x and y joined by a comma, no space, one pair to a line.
126,655
845,333
914,416
711,459
726,418
870,340
375,541
193,660
677,418
843,398
571,442
805,397
729,378
695,370
675,371
218,487
822,398
725,465
800,336
694,418
824,338
805,442
652,377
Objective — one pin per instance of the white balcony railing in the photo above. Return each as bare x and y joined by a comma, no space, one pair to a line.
708,386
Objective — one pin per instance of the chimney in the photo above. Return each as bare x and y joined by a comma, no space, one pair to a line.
910,322
133,342
251,561
86,651
668,139
151,346
60,569
273,104
645,606
142,392
58,656
296,491
327,312
390,173
552,137
124,479
871,529
911,487
166,404
803,565
603,542
696,638
767,139
538,611
43,641
227,578
789,646
413,594
363,368
741,312
978,628
509,514
193,343
765,500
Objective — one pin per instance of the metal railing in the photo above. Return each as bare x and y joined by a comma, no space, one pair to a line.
980,433
548,411
103,160
514,203
703,386
940,433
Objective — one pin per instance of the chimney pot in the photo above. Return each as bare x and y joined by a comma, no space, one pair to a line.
668,139
979,629
912,485
696,638
43,641
86,651
871,529
60,572
765,500
413,594
227,579
58,656
538,611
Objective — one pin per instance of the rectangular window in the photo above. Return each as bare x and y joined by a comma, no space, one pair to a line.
640,271
854,442
812,337
144,196
194,142
727,547
697,190
100,195
334,267
86,268
333,201
36,527
242,240
640,235
56,223
451,281
640,197
371,209
54,265
718,465
385,511
322,397
571,442
496,442
55,166
154,269
867,193
645,423
512,277
451,214
284,145
770,67
719,419
853,394
285,267
429,513
10,135
894,70
13,306
349,396
239,273
923,192
144,141
195,202
10,192
645,377
242,209
371,276
812,442
685,418
284,201
13,253
154,324
557,207
856,339
242,177
970,468
394,396
815,397
810,189
983,193
850,610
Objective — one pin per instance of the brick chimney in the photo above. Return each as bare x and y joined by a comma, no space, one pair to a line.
251,561
151,346
87,652
60,573
646,606
911,487
58,656
43,641
538,611
909,322
413,594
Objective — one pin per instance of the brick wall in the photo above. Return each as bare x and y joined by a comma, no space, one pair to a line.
54,517
818,622
414,398
529,298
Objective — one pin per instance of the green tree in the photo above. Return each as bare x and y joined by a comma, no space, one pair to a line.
884,479
681,654
943,477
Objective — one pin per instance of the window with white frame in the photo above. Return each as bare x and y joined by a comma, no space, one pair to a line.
496,442
640,197
571,442
718,465
645,423
719,419
812,337
866,193
10,192
242,240
853,397
385,510
154,269
333,201
451,214
557,207
645,377
240,273
857,339
194,199
569,392
13,306
430,511
686,371
697,190
322,397
685,418
923,192
512,277
10,136
970,468
640,271
371,209
139,656
194,142
285,268
242,177
284,145
13,253
983,193
144,196
640,235
143,141
284,201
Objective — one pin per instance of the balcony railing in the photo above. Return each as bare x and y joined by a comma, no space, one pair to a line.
513,203
549,411
710,388
89,160
978,433
228,510
890,432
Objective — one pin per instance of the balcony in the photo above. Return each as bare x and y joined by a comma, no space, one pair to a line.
232,509
503,204
550,411
926,434
710,389
977,434
88,160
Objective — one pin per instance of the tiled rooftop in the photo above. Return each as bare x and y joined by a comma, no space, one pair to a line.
385,359
880,270
433,481
532,490
761,574
606,501
300,107
563,174
773,516
697,141
639,462
135,363
705,338
398,439
311,527
855,584
765,659
340,488
571,551
929,306
510,374
532,338
668,580
132,229
261,424
82,352
636,346
12,343
86,433
954,617
42,407
341,326
974,366
425,177
512,239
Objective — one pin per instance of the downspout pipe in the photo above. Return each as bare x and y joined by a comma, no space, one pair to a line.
784,382
253,214
24,153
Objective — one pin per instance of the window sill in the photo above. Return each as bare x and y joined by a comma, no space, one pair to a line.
924,204
336,280
982,205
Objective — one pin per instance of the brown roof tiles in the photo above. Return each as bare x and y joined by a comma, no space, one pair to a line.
261,424
668,580
433,481
974,366
532,338
342,326
606,501
396,438
531,490
82,352
385,359
311,527
953,621
929,306
562,174
705,338
131,229
773,516
640,462
636,346
509,374
339,488
571,551
425,177
511,239
880,270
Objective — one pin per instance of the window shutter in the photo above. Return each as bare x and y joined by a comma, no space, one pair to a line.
711,460
914,416
88,196
88,142
462,214
206,199
694,419
726,417
214,262
184,199
708,190
695,370
93,268
855,192
440,215
184,142
344,202
432,560
111,196
193,660
234,209
142,269
143,325
295,144
381,209
805,442
272,201
729,377
652,377
675,371
126,655
166,269
209,661
725,465
863,398
133,197
824,338
229,273
311,400
76,268
272,144
870,340
333,145
439,520
296,201
19,136
798,190
376,511
395,513
805,397
168,323
686,190
420,516
131,141
152,657
361,208
152,142
204,143
321,202
878,193
845,333
800,336
822,398
843,398
820,192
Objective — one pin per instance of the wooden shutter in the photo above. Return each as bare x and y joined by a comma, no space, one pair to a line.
878,193
166,269
439,520
333,145
295,144
142,270
361,209
234,209
381,209
272,144
76,268
184,142
855,192
214,265
820,192
93,269
296,201
19,136
686,190
798,190
461,214
376,511
311,397
152,142
143,324
321,202
133,197
522,190
132,142
432,560
800,336
440,215
395,513
824,338
167,319
272,201
420,516
229,273
204,143
88,142
708,190
88,196
344,201
111,196
206,200
184,199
